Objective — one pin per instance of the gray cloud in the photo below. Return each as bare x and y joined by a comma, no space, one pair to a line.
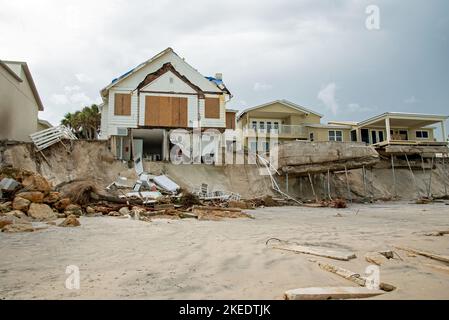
291,49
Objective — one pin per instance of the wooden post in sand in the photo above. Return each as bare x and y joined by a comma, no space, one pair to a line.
413,176
429,188
445,173
394,177
347,185
313,189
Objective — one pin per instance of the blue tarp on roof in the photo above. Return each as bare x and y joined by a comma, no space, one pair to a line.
215,80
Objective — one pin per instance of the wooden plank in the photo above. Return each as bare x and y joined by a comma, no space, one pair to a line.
230,120
320,252
165,111
438,267
426,254
329,293
175,101
183,109
212,108
152,111
126,105
352,276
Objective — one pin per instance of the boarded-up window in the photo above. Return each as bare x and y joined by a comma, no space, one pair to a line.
212,108
230,120
165,111
122,104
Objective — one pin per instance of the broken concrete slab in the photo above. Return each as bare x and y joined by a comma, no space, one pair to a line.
304,157
329,293
317,251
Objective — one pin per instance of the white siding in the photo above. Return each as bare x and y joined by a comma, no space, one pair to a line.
121,121
163,84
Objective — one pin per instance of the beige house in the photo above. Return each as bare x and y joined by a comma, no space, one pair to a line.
398,128
288,121
19,102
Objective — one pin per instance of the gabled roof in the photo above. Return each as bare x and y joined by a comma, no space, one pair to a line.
114,82
164,69
24,66
284,102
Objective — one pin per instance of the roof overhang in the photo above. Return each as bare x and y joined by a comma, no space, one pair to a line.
398,119
283,102
27,72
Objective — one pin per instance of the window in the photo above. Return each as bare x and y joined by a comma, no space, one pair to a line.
335,135
122,104
373,137
269,126
421,134
381,136
254,125
311,137
276,125
354,135
262,125
212,108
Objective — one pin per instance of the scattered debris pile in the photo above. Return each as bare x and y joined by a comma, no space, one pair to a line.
28,198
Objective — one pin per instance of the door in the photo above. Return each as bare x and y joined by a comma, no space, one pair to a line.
365,135
166,111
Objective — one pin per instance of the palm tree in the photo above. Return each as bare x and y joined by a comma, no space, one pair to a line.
85,124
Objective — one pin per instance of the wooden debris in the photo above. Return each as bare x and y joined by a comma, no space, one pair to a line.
426,254
217,213
320,252
375,258
438,267
348,275
352,276
328,293
437,233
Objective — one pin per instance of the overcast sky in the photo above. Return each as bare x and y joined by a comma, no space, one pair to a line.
319,54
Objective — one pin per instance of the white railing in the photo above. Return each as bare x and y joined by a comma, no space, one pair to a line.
45,138
283,129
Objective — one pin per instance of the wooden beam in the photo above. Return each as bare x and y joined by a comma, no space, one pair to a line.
328,293
426,254
320,252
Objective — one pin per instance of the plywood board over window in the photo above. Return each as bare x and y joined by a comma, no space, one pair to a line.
122,104
230,120
212,108
165,111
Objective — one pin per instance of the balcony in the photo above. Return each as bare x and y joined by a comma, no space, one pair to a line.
283,131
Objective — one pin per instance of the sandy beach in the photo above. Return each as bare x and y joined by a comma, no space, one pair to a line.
190,259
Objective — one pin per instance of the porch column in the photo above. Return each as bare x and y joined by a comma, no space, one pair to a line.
387,128
358,135
443,131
